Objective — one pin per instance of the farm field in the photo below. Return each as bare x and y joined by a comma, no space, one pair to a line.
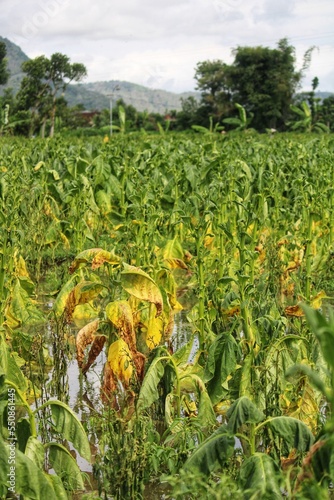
166,316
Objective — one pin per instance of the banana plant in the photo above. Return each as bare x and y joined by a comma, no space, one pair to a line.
243,121
305,122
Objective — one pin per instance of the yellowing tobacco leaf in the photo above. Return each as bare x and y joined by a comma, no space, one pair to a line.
142,286
173,254
154,331
120,314
316,301
83,314
20,266
96,257
120,361
81,294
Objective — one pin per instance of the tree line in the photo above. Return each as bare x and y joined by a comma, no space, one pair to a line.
259,90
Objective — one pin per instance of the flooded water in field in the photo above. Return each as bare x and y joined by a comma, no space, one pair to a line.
65,382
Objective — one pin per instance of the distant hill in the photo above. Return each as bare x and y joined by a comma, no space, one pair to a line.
15,58
142,98
94,96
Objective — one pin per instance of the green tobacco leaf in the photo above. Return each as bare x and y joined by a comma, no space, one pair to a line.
243,411
22,309
9,369
58,487
206,415
103,201
259,477
215,451
67,424
141,285
323,457
149,389
66,467
30,481
182,355
313,376
294,432
220,365
323,330
35,451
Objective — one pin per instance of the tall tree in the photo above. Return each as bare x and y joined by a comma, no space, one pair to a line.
45,80
3,64
261,79
264,80
35,91
213,82
61,73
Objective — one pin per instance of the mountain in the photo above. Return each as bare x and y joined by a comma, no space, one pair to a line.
15,58
94,96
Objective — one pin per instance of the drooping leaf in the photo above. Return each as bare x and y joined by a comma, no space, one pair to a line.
324,331
314,377
83,292
13,372
62,297
35,451
96,348
96,257
85,337
295,433
103,201
57,486
22,310
182,355
30,481
120,314
259,477
66,467
243,411
173,254
67,424
142,286
206,415
215,451
220,366
121,361
149,389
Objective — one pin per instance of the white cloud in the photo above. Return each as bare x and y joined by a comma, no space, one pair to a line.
158,43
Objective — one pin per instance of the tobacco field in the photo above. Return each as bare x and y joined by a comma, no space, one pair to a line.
167,325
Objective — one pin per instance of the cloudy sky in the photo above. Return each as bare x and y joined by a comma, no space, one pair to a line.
157,43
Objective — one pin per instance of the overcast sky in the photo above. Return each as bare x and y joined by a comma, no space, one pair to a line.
157,43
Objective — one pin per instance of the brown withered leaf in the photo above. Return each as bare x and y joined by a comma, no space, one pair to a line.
97,346
85,337
139,361
176,263
109,385
295,311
